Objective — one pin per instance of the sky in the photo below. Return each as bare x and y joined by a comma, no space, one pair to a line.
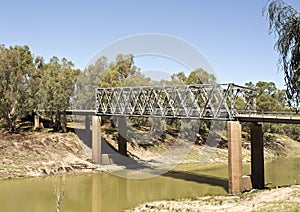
232,35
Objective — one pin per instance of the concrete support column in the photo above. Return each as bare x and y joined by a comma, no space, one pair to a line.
122,141
36,121
234,157
257,156
87,123
96,140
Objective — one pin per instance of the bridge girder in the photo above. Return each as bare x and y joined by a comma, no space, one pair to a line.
202,101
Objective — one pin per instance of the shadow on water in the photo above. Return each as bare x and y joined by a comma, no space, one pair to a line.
131,164
199,178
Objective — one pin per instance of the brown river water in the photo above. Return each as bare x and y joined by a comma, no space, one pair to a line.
107,192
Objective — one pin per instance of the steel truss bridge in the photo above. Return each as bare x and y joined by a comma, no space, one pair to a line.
224,102
201,101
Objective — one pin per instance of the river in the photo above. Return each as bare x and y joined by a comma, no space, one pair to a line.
106,192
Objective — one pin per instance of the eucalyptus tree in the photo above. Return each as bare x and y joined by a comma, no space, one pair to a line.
16,70
57,81
284,22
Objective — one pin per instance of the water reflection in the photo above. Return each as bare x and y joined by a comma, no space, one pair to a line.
106,192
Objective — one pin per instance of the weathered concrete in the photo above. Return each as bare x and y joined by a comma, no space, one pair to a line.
246,183
96,140
234,157
87,123
257,156
122,141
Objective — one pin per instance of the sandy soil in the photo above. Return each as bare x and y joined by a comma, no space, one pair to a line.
280,199
42,153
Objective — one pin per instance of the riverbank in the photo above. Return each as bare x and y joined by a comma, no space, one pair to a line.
280,199
32,153
42,153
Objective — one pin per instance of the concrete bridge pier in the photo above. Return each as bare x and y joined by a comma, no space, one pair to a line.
236,182
234,157
122,141
96,140
257,156
87,123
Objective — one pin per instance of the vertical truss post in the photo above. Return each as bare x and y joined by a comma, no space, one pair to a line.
202,101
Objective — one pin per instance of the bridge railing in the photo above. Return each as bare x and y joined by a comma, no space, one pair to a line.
263,113
201,101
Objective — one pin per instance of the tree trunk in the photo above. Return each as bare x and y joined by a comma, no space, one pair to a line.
64,123
57,123
11,124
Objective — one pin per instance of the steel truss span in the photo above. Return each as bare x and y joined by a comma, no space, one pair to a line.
202,101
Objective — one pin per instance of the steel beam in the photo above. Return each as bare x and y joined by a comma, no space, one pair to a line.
204,101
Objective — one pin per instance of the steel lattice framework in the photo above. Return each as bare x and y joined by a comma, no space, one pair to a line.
203,101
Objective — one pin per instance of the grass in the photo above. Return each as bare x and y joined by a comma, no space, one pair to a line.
9,167
279,206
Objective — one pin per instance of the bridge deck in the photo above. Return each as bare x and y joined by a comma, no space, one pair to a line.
279,117
81,112
276,118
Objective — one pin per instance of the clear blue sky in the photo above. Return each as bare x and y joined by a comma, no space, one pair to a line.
233,34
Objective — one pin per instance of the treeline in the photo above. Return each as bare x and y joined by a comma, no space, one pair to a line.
30,85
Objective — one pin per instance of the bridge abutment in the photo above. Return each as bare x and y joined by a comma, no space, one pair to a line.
257,156
234,157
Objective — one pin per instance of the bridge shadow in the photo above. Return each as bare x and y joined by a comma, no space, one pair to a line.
199,178
84,135
110,154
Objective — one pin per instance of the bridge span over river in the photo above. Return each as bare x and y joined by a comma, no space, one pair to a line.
219,102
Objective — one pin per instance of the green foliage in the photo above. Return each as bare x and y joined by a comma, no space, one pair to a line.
198,76
16,70
57,80
89,79
268,98
284,21
119,73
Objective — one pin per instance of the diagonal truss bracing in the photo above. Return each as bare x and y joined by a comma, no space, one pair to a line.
203,101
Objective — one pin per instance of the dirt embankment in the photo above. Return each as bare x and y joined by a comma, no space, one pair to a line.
41,153
280,199
32,153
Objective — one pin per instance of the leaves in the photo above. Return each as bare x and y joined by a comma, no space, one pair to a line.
16,70
268,98
119,73
56,87
284,22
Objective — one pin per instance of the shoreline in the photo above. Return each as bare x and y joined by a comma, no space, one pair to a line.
275,199
37,154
